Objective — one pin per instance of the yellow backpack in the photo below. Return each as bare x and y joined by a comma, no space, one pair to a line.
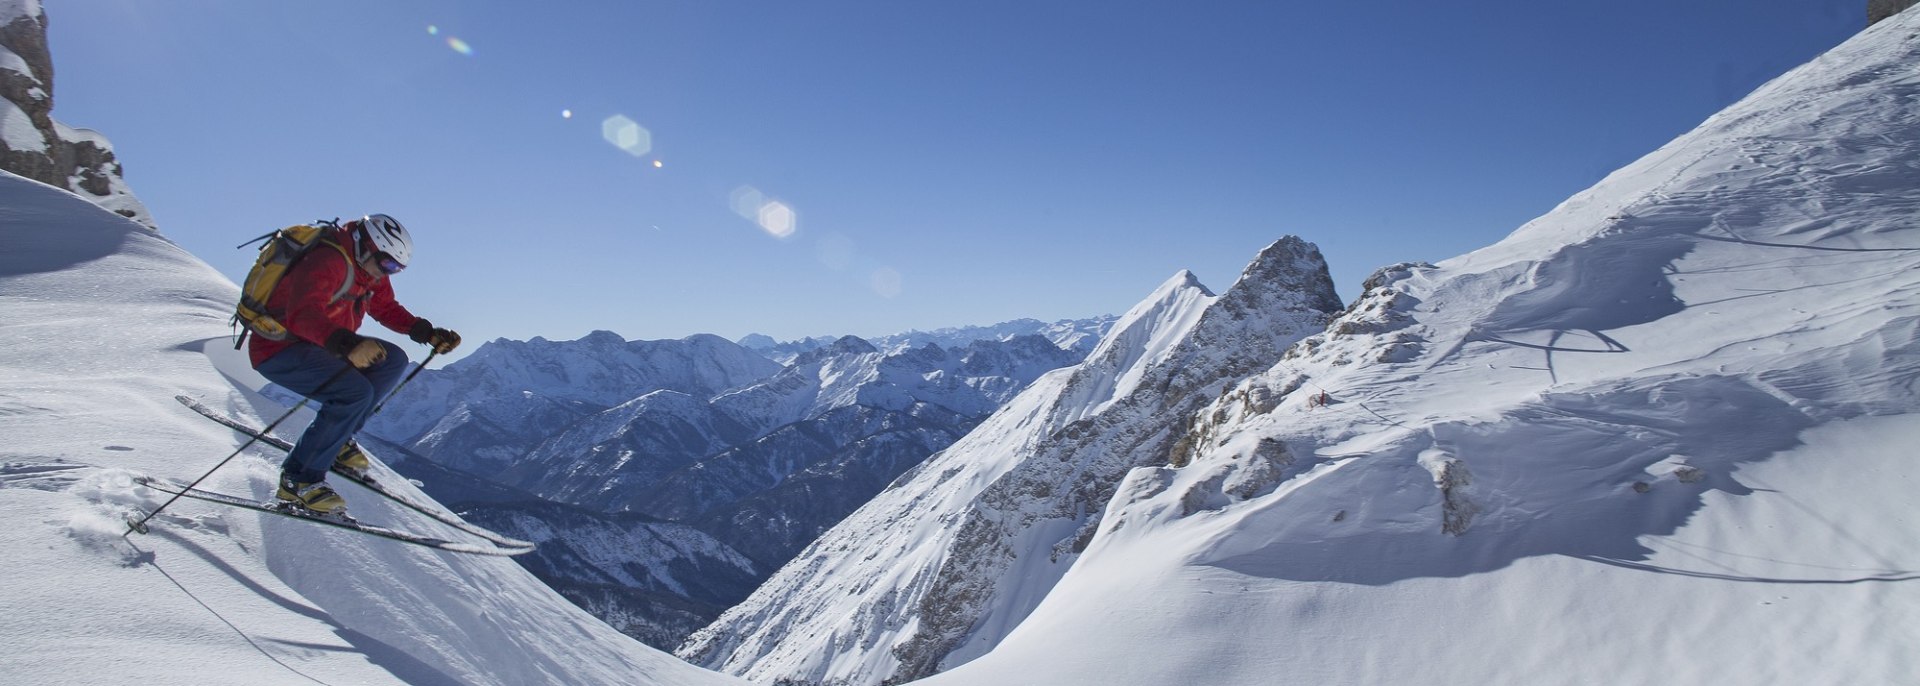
278,254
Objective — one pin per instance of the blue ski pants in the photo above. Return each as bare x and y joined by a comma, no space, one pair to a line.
346,402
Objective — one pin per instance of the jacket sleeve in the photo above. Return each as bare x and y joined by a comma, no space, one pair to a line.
388,311
310,284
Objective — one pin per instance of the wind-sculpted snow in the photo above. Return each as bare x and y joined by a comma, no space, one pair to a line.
1638,438
959,551
1694,311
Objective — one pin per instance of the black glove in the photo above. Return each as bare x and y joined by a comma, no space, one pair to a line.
358,350
443,341
341,342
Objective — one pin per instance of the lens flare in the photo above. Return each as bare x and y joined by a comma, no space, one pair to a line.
566,114
746,202
459,46
433,30
626,134
772,216
778,220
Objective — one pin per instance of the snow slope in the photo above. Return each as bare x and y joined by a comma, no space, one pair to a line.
101,323
1660,435
936,569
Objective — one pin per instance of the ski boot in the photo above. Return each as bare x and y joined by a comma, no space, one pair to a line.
316,497
352,462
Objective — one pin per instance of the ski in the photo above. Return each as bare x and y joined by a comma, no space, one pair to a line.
342,521
367,481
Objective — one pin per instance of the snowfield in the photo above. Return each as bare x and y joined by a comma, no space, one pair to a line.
1655,436
1662,434
102,323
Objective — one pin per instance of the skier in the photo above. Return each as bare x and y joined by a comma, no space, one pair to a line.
324,298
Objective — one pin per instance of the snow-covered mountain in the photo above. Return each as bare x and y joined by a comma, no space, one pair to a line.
102,322
655,581
940,566
1074,335
35,145
1658,435
764,465
483,412
536,395
798,450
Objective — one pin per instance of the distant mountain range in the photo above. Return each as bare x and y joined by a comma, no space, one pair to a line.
1660,434
954,552
1075,335
704,433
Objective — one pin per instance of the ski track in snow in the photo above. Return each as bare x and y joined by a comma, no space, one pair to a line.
1659,435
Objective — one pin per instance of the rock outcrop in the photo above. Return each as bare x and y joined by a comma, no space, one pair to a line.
32,143
940,566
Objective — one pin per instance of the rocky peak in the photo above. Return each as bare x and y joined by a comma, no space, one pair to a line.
32,143
1288,276
28,83
1284,294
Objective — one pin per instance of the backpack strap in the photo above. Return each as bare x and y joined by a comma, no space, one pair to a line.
348,283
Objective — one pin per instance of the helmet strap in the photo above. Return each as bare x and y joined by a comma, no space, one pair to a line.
357,233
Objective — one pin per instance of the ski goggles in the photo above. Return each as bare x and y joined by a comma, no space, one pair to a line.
388,264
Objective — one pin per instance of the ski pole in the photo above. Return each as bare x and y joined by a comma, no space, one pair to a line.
404,382
141,526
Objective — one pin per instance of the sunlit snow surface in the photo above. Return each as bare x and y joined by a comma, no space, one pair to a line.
1656,436
101,323
1661,435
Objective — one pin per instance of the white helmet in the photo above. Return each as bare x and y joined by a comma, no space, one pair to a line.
385,235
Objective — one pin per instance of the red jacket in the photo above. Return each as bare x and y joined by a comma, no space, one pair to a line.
301,301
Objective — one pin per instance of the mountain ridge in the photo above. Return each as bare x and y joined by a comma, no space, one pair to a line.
963,546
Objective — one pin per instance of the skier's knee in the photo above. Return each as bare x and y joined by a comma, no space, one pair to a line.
354,394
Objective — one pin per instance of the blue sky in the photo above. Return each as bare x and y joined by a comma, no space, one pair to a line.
825,168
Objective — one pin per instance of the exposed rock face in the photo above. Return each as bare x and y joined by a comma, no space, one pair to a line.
701,434
35,146
939,567
1881,9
